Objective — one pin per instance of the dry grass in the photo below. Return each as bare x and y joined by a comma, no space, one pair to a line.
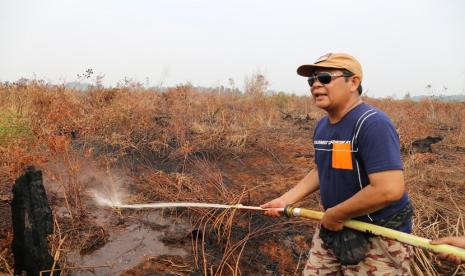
186,145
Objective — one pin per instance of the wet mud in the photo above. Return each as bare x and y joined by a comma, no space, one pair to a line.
110,249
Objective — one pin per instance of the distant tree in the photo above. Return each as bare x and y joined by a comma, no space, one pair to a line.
256,85
432,112
99,80
231,83
86,75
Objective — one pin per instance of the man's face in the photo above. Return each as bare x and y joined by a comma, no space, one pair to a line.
333,95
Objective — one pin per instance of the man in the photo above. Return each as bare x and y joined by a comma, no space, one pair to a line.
359,173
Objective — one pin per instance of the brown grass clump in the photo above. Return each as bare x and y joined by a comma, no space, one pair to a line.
217,147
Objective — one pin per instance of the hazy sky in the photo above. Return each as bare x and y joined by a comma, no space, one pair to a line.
402,45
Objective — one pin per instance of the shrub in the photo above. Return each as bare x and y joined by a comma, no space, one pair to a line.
13,127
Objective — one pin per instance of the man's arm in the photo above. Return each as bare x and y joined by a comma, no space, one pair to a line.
309,184
384,188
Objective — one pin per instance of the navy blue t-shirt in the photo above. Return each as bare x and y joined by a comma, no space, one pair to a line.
364,141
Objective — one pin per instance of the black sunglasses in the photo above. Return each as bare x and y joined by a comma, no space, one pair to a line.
325,77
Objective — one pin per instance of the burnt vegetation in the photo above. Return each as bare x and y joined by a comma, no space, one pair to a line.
218,146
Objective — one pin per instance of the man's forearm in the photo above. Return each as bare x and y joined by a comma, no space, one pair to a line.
309,184
364,202
385,188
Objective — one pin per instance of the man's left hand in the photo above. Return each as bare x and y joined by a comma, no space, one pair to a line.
332,220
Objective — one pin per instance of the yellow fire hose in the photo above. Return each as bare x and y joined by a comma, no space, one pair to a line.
381,231
290,211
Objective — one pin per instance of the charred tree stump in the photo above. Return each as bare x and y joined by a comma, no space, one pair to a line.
32,222
424,145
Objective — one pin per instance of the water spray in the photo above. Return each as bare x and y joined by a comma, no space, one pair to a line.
290,212
116,203
188,205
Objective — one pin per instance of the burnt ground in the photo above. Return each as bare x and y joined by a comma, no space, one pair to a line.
154,242
102,241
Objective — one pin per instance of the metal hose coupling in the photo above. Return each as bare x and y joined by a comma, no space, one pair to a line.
291,212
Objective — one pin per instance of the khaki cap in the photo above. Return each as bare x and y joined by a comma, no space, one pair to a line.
333,60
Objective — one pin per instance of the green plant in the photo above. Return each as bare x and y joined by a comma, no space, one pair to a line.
13,127
281,100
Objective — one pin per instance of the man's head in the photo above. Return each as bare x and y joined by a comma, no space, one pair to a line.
341,61
335,81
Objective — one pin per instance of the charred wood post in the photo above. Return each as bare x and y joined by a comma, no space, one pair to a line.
32,222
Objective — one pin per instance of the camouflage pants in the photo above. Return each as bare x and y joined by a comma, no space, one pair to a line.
384,257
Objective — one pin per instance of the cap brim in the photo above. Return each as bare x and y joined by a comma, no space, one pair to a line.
307,70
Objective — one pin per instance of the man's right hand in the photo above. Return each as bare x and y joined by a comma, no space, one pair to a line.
272,206
455,241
